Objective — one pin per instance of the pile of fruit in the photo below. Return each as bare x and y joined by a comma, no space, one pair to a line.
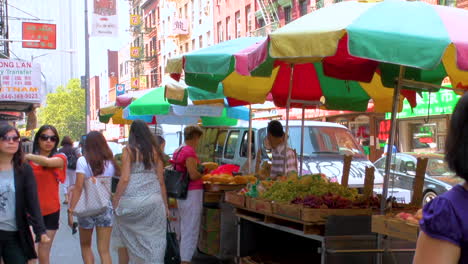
224,174
334,201
317,185
410,218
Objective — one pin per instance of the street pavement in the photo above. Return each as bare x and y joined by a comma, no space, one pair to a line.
66,247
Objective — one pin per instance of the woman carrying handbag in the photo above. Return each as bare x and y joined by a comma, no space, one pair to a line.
140,201
91,197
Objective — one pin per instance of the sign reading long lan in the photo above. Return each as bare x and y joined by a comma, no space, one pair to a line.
105,19
20,81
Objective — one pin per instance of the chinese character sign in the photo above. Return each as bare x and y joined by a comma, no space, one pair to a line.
179,27
120,88
143,82
105,19
135,20
135,83
135,52
45,33
20,81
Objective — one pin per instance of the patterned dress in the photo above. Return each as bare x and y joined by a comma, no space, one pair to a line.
140,219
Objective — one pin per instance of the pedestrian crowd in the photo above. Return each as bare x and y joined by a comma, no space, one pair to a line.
131,216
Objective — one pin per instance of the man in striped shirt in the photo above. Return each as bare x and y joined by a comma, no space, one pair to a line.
280,151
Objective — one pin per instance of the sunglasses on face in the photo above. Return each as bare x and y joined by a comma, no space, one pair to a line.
10,139
47,138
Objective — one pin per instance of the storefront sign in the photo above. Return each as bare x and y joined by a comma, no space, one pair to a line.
135,83
20,81
135,52
440,103
179,27
45,33
135,20
143,82
105,19
120,88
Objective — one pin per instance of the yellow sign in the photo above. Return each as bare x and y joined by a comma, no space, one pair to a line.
135,20
143,82
135,52
135,83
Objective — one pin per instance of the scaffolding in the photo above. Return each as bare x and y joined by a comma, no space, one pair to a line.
4,45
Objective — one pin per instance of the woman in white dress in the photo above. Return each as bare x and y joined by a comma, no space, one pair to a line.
140,201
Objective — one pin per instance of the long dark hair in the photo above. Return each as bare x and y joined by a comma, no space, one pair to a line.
142,140
456,146
39,133
17,160
97,152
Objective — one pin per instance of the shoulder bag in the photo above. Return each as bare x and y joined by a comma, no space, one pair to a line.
176,182
95,197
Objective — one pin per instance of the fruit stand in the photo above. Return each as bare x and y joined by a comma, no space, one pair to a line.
312,220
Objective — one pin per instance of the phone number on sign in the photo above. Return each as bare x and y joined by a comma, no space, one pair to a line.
16,96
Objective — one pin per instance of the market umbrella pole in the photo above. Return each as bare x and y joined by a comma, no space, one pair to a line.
288,108
249,150
391,140
302,140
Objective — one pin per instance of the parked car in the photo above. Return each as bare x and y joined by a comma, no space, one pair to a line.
325,145
438,179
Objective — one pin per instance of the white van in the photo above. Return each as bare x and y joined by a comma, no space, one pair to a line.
325,145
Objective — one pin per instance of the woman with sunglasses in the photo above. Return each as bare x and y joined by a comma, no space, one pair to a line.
18,196
50,168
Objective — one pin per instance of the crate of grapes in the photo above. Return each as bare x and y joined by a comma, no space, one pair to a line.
235,199
316,209
293,211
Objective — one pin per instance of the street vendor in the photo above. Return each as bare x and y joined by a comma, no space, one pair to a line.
276,139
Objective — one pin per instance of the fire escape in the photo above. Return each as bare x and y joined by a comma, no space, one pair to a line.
269,16
4,49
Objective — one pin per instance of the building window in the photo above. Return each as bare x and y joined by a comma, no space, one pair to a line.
193,44
220,32
287,14
200,41
228,28
154,18
121,69
160,73
238,24
303,7
146,50
261,22
186,11
208,38
181,15
186,47
248,18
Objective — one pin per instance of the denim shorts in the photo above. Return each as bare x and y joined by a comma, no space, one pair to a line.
101,220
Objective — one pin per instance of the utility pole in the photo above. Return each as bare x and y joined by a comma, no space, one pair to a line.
86,64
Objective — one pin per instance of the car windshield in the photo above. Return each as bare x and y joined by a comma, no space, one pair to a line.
323,140
438,167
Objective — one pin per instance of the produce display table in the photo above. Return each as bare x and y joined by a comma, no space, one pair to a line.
342,239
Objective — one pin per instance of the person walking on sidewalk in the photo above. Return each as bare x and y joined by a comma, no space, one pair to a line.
18,196
72,157
50,169
97,161
140,201
190,209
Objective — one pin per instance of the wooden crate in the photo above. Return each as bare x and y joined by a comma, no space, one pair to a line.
235,199
320,215
211,187
293,211
261,206
393,227
212,197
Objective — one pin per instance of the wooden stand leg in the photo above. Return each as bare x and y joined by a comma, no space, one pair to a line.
418,183
346,168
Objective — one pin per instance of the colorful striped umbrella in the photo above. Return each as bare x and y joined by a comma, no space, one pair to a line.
354,40
248,75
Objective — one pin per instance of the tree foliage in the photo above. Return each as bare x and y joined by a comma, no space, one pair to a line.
65,109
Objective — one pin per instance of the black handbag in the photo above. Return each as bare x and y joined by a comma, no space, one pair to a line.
176,182
172,255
